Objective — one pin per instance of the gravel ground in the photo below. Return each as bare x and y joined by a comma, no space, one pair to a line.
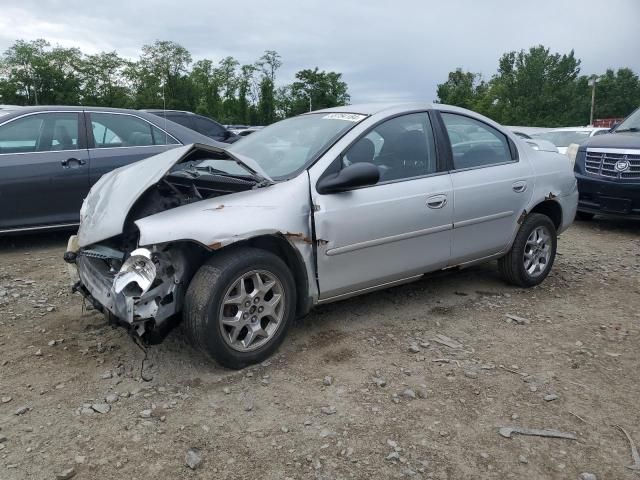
411,382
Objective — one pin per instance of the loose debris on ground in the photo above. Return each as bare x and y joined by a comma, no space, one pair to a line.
414,382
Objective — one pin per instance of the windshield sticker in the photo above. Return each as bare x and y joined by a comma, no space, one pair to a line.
349,117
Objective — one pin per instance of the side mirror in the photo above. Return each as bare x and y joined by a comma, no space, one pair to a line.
355,175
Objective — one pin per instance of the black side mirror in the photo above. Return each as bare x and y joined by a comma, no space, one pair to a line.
357,175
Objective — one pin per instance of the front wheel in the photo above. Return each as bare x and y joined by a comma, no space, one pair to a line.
239,306
532,254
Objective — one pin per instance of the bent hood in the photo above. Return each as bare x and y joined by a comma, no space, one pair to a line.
107,205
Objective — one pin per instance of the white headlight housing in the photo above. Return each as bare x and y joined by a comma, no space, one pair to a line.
572,152
138,270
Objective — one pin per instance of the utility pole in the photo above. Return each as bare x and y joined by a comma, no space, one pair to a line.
592,83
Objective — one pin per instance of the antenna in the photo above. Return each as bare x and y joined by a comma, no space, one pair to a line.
164,111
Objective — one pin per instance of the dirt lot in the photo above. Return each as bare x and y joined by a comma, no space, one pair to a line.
284,419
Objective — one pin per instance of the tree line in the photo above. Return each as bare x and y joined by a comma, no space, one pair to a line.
164,76
541,88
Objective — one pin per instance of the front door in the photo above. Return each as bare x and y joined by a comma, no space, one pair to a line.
44,171
492,186
394,230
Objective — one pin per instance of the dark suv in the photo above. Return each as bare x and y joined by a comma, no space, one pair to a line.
608,171
199,123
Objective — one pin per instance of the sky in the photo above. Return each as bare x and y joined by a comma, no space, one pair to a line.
387,50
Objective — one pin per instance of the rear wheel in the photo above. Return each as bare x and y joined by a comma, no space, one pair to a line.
532,254
239,306
585,216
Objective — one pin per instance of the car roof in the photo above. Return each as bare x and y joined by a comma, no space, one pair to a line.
373,108
577,129
59,108
161,110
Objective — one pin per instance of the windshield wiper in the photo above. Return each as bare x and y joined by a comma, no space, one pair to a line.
261,182
630,129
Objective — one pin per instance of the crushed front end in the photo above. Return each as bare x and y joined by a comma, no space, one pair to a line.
142,289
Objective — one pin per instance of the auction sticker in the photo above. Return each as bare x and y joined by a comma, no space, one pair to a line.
349,117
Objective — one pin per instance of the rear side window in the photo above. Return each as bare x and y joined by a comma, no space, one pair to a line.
184,120
121,130
474,143
208,127
43,132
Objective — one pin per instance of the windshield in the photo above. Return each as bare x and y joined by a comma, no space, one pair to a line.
564,138
631,123
286,147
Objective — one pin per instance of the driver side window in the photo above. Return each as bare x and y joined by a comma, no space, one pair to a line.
402,147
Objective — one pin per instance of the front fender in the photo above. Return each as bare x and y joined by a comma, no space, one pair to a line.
280,209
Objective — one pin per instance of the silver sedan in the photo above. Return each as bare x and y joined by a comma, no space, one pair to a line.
237,242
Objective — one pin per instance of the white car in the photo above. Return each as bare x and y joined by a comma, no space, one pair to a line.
563,137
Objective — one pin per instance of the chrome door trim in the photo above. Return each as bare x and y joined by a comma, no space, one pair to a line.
369,289
487,218
89,112
137,116
43,227
390,239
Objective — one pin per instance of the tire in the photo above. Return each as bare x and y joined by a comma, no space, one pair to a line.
512,265
214,294
584,216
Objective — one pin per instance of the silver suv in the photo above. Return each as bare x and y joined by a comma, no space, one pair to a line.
237,242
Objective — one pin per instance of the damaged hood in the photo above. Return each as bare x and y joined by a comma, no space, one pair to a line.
105,209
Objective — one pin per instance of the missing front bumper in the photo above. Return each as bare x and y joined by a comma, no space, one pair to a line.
141,311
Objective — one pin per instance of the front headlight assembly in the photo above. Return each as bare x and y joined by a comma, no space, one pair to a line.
137,274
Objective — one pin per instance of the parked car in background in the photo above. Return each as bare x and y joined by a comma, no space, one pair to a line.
536,144
608,171
199,123
310,210
237,128
50,157
563,137
249,131
6,109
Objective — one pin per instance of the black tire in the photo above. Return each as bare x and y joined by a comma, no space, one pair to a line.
512,264
584,216
204,298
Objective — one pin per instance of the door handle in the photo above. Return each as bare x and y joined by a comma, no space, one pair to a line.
69,162
437,201
519,187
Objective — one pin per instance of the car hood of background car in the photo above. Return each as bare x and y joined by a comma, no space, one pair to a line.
105,209
614,140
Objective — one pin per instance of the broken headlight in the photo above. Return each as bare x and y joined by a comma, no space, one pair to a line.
136,275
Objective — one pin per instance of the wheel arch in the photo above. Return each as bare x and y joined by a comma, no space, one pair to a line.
292,257
551,209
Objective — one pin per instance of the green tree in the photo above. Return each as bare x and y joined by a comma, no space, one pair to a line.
315,89
617,93
162,72
103,80
460,89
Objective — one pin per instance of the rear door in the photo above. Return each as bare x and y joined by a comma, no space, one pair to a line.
44,171
118,139
492,186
